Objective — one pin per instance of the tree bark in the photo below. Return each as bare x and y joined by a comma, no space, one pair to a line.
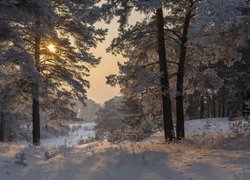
223,101
219,106
180,130
208,107
202,110
2,127
35,97
214,106
167,111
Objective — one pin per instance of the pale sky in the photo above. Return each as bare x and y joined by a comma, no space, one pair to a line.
99,91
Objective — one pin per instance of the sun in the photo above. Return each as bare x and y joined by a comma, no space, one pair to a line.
51,48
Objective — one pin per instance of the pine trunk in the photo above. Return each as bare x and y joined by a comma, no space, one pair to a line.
202,108
214,106
223,101
167,111
35,97
2,127
180,130
219,106
208,107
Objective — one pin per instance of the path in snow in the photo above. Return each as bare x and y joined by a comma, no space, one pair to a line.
147,160
128,161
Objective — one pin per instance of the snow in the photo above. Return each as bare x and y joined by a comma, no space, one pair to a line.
201,126
151,159
85,131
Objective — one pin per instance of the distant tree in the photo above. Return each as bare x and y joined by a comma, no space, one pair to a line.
216,38
132,112
109,119
87,112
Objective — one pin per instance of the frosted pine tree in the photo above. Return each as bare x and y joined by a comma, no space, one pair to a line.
58,75
123,10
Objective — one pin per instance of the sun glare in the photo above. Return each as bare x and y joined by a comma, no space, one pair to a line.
51,48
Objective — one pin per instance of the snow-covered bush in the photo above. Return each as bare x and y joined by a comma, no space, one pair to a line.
109,119
86,141
122,119
240,128
76,127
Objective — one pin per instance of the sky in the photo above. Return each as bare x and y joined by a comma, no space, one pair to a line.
99,91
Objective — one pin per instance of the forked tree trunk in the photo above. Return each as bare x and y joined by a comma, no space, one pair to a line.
35,97
167,111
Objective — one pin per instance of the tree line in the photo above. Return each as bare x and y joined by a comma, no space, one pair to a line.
183,53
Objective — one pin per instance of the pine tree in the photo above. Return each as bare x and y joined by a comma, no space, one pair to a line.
69,26
123,11
109,120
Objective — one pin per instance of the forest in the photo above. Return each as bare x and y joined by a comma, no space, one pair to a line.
184,62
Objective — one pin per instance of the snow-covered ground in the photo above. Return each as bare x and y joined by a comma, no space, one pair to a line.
152,159
199,126
82,131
